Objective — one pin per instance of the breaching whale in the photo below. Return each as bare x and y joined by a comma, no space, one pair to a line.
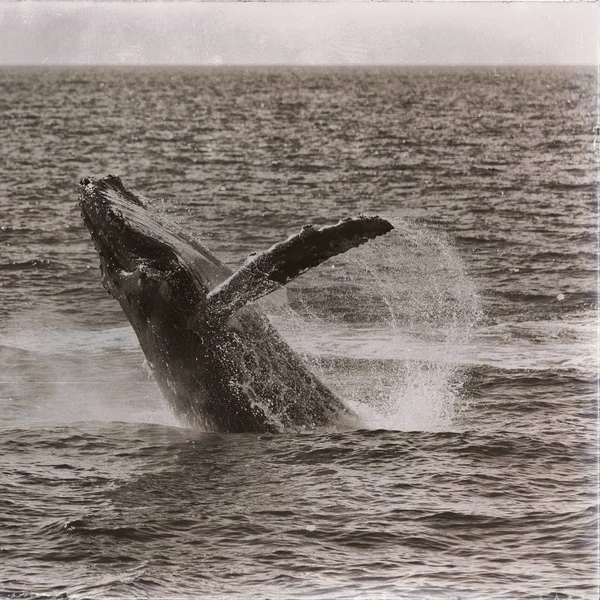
217,359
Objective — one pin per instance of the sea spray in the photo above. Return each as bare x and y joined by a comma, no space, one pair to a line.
384,326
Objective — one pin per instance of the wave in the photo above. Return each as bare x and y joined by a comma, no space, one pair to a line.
52,341
37,263
571,187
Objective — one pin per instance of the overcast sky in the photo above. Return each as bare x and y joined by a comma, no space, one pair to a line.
299,33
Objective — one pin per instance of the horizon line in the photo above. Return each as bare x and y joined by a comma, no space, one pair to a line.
299,65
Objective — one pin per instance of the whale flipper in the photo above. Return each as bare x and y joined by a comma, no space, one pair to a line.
265,272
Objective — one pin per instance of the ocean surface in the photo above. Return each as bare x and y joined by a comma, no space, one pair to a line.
466,339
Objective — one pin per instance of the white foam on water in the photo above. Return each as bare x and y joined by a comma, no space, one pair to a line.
54,375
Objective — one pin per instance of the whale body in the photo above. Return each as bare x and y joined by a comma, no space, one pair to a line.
216,358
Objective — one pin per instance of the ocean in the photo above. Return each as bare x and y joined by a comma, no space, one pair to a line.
466,339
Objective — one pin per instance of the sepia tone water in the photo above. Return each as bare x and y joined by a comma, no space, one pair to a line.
465,339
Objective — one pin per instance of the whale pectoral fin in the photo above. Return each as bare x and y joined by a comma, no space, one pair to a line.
264,272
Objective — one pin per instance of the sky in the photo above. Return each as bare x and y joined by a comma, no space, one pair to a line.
317,33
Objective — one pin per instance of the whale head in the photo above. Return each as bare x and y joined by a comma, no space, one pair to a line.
117,220
148,263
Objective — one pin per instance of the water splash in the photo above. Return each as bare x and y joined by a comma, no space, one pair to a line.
385,325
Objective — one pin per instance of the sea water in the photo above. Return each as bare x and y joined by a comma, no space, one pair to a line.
466,339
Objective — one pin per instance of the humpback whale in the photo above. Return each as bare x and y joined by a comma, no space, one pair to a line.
216,358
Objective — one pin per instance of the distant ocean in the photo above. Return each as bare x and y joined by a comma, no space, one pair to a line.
466,339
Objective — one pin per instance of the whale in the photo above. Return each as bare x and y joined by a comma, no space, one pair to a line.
218,360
